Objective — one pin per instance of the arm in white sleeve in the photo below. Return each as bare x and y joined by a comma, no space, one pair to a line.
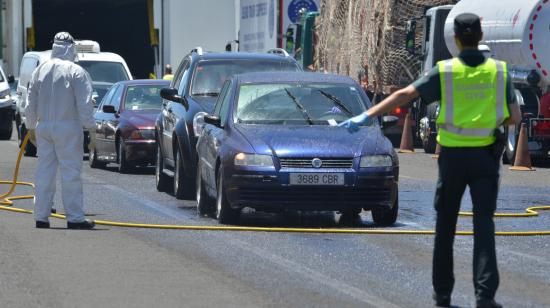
83,94
32,100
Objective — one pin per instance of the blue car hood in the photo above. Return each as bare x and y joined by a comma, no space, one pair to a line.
313,141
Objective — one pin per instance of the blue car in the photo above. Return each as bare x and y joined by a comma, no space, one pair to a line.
272,144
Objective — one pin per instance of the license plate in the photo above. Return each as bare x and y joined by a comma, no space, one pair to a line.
316,179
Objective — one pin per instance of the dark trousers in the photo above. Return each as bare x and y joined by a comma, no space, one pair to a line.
479,169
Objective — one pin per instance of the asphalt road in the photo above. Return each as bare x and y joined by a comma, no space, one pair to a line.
117,267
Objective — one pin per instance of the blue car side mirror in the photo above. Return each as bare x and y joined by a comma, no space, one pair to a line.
171,94
210,119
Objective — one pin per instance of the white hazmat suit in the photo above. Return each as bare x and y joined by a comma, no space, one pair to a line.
59,105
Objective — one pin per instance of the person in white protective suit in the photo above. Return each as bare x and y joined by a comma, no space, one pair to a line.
59,105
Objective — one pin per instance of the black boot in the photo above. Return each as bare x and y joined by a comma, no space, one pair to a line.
442,300
487,303
42,224
85,225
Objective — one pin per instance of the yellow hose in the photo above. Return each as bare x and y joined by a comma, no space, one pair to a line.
6,204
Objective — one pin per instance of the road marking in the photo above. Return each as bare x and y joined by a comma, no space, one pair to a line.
317,277
291,266
527,256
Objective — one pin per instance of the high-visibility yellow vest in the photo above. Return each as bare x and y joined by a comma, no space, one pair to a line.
473,102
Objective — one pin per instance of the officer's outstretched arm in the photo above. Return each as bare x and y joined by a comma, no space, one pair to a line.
515,115
398,98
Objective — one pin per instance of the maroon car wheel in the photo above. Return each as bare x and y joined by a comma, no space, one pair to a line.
123,165
92,160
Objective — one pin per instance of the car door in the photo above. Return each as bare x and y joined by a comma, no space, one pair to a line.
216,135
28,65
100,117
169,119
111,121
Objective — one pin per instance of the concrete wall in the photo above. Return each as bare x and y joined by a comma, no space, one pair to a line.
188,24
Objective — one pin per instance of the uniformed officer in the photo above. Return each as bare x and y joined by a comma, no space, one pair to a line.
476,97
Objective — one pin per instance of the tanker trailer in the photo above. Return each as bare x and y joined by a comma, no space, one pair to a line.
516,32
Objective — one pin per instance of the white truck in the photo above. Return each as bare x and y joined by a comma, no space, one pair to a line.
513,31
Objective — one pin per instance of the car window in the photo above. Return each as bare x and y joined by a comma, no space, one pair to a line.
107,98
219,102
179,74
303,103
104,70
117,97
225,103
27,67
142,97
210,75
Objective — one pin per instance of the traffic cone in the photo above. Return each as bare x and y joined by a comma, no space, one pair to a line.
437,151
407,145
523,159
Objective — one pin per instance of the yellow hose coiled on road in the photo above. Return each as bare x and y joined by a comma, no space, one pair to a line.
6,204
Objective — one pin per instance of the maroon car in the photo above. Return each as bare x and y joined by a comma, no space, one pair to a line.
125,124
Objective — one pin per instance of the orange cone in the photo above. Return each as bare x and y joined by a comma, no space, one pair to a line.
437,151
407,145
523,159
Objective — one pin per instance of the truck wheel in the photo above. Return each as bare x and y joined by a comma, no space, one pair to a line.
224,213
205,203
384,216
161,179
183,186
511,145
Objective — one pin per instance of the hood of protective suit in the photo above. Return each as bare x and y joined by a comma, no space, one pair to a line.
64,51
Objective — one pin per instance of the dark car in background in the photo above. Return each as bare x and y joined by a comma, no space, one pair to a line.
272,143
7,107
196,85
125,124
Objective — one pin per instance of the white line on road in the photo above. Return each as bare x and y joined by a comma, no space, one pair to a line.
291,266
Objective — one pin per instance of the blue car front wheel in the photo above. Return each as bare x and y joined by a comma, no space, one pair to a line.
224,213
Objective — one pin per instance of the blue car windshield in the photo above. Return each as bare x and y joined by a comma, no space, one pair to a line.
210,75
298,103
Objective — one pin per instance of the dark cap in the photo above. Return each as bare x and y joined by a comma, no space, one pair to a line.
467,24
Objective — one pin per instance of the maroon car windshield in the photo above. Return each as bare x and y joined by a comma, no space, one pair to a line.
140,97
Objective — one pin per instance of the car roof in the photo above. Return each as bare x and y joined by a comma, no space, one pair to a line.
243,55
144,82
293,77
85,56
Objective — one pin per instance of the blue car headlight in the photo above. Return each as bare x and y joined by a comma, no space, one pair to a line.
253,160
375,161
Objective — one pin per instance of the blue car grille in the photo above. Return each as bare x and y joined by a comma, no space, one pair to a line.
307,163
316,198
